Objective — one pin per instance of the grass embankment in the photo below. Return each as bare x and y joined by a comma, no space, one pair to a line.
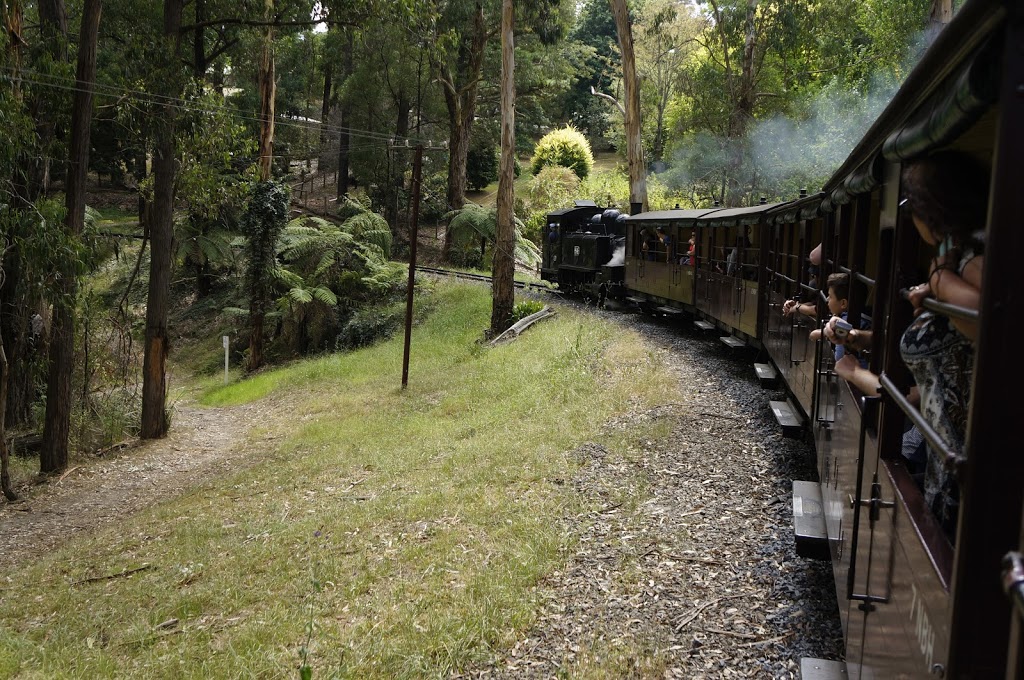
411,529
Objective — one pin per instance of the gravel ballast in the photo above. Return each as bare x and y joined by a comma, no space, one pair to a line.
694,574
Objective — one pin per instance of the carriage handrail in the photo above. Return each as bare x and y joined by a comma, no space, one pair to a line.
780,275
956,311
933,438
863,278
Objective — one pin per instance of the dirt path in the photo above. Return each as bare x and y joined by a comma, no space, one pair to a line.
97,491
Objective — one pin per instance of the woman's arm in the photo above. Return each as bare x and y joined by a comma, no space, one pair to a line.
864,380
963,290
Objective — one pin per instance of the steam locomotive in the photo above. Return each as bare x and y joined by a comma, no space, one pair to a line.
916,600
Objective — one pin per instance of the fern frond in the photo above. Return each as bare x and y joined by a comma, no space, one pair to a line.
300,295
325,295
369,227
310,221
473,222
286,277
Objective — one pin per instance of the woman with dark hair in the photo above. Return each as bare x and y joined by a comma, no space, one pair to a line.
947,199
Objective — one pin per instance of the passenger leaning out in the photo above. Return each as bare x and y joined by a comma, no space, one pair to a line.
946,201
793,305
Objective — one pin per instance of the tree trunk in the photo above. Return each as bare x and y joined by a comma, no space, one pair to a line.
634,146
460,99
397,174
325,108
942,11
267,92
5,457
199,43
30,179
54,454
742,110
345,112
268,89
503,290
154,384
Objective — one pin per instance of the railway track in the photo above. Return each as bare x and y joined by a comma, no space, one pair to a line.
483,278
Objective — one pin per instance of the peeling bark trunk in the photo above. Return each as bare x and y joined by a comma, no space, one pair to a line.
503,290
634,145
268,88
154,383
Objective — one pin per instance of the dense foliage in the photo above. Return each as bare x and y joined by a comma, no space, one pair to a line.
566,147
739,100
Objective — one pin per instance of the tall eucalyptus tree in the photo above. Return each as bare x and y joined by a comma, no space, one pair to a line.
54,454
504,242
156,348
634,145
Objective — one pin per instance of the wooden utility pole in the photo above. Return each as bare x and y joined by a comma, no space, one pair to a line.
417,170
503,290
634,146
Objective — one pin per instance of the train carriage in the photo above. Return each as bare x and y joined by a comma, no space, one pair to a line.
919,595
727,277
659,272
918,599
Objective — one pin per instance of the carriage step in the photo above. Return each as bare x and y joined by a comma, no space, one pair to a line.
704,325
821,669
671,311
766,374
788,417
809,522
636,300
733,341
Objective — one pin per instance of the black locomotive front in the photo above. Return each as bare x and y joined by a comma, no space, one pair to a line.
584,249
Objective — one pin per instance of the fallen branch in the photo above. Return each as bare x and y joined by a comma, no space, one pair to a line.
519,326
720,415
108,577
748,636
696,612
778,638
124,443
698,560
67,473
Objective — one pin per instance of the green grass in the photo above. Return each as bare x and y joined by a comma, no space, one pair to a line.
411,529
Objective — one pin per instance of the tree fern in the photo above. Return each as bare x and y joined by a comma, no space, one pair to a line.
371,229
474,222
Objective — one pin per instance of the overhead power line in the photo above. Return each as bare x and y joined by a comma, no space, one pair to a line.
112,91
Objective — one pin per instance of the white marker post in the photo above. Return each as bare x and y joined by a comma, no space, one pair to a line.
226,339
